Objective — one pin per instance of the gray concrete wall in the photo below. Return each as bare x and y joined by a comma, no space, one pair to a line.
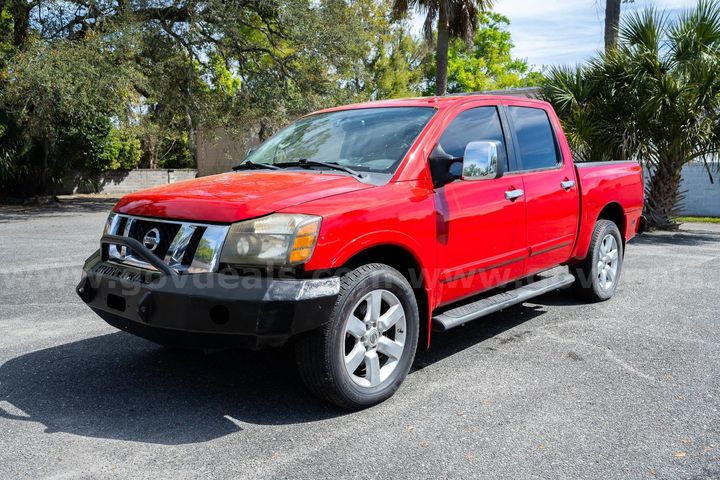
702,198
120,182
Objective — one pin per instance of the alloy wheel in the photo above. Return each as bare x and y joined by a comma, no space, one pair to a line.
375,334
607,265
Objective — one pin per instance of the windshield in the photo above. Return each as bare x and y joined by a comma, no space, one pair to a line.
367,140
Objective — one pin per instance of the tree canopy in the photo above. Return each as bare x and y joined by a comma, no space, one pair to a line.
486,62
90,85
446,20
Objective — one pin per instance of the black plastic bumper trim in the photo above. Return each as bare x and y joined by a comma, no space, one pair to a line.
202,309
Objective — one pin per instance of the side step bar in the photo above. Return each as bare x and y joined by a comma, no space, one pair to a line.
471,311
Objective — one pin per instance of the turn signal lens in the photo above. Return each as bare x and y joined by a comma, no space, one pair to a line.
304,242
300,255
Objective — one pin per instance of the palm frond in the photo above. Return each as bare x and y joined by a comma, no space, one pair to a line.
654,98
400,9
643,30
696,32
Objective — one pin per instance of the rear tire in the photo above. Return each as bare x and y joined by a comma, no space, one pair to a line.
363,354
597,276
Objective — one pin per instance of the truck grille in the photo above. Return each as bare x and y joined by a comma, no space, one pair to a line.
167,231
175,243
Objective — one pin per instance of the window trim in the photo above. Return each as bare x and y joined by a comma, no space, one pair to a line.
558,151
505,127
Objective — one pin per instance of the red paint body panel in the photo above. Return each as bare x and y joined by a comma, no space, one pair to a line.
482,240
231,197
601,185
466,236
552,217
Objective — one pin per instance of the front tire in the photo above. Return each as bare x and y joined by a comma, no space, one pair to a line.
363,354
596,278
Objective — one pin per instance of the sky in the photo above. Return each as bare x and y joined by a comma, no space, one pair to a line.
553,32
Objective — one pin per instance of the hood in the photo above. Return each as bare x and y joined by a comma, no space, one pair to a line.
231,197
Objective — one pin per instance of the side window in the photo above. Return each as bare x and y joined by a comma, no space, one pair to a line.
481,123
535,138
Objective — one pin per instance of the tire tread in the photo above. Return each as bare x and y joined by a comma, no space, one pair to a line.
312,353
585,268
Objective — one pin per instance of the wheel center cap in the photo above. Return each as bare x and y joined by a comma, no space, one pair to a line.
373,336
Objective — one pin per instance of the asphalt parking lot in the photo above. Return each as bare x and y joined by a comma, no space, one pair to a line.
626,389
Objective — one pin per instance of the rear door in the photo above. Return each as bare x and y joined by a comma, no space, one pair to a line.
481,232
550,184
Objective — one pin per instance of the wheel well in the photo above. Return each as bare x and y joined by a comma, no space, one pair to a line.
614,213
404,262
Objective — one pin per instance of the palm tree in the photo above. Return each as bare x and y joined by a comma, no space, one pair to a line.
612,20
655,97
455,19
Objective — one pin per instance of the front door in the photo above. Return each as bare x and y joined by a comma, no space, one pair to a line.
481,228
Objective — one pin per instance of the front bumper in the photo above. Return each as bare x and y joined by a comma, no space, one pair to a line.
209,310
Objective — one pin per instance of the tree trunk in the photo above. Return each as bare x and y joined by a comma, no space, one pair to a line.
442,52
662,195
45,179
612,22
192,136
21,22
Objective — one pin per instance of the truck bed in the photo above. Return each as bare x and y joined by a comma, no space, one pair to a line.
604,184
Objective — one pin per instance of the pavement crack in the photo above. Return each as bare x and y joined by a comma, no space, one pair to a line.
629,368
609,354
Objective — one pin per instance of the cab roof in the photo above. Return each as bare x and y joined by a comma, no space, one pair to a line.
440,103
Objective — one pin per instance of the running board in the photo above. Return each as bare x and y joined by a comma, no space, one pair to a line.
471,311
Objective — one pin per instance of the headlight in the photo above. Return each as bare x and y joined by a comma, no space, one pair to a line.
279,239
109,224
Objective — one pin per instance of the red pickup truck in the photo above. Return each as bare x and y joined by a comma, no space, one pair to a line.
357,231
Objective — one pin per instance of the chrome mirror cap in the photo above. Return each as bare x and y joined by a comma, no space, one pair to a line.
482,160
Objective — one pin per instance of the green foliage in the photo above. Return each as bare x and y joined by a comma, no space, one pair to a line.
697,219
387,59
122,151
120,84
575,93
487,63
6,34
655,97
175,152
397,68
456,19
222,77
59,98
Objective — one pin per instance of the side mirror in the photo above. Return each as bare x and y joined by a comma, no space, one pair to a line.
482,161
444,168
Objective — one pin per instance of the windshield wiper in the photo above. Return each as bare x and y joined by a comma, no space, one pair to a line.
249,165
305,163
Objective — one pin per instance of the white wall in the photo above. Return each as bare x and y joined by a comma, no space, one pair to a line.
120,182
702,198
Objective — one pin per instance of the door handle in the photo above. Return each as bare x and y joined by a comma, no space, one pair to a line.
513,194
567,184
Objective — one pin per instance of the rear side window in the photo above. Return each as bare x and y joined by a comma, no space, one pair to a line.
535,138
475,124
